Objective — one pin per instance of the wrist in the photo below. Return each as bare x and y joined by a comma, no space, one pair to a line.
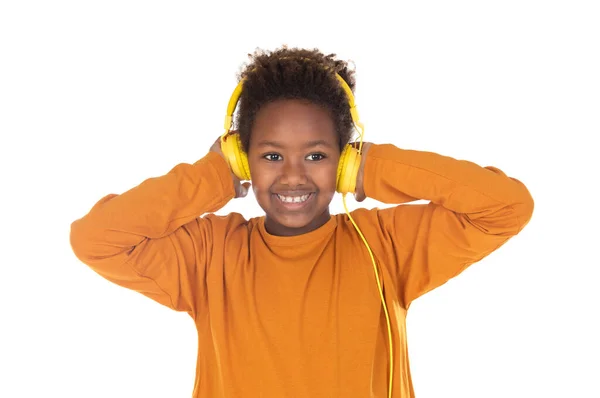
359,193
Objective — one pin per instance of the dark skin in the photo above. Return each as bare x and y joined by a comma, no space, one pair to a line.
294,151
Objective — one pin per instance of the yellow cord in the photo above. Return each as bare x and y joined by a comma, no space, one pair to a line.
361,131
385,310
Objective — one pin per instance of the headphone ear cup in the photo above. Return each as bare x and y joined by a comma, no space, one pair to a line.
231,146
347,170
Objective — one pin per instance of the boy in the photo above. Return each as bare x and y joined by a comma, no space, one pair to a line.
286,305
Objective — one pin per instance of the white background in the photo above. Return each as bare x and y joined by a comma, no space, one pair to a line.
95,97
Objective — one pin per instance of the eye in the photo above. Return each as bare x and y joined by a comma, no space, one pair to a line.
272,157
315,157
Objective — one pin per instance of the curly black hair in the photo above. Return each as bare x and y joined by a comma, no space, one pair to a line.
292,73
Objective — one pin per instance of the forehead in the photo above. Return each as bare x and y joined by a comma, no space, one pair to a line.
293,122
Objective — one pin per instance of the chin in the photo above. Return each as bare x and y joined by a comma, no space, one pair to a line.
295,220
292,221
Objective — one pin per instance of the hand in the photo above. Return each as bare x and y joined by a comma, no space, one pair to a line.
359,192
241,190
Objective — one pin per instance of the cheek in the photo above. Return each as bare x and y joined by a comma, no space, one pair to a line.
260,186
325,178
262,180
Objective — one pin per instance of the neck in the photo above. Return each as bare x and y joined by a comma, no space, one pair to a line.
277,229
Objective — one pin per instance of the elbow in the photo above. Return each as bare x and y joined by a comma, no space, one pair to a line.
509,218
78,241
522,208
85,243
95,247
86,235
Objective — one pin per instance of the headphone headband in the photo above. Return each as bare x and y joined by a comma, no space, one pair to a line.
235,96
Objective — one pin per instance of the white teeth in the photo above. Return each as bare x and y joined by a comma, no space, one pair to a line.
293,199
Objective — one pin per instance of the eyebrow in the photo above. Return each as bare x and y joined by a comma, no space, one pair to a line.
308,144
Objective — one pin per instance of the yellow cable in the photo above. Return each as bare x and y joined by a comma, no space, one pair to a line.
385,310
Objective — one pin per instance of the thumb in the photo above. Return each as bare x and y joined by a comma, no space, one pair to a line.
359,196
243,190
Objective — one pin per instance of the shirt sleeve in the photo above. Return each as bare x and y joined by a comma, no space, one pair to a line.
472,211
151,239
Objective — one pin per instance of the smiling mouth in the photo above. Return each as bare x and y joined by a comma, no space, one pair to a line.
294,202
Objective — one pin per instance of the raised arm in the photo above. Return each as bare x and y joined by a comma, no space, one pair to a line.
473,210
151,238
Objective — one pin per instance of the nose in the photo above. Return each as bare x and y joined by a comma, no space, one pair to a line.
293,173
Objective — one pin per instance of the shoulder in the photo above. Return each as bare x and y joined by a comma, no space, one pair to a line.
405,211
225,222
393,225
230,226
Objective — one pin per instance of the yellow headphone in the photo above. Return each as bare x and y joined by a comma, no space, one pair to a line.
347,172
349,163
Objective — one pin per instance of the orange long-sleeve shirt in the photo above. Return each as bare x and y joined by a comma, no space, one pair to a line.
301,316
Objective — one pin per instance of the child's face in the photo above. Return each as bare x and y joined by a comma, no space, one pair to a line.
293,153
